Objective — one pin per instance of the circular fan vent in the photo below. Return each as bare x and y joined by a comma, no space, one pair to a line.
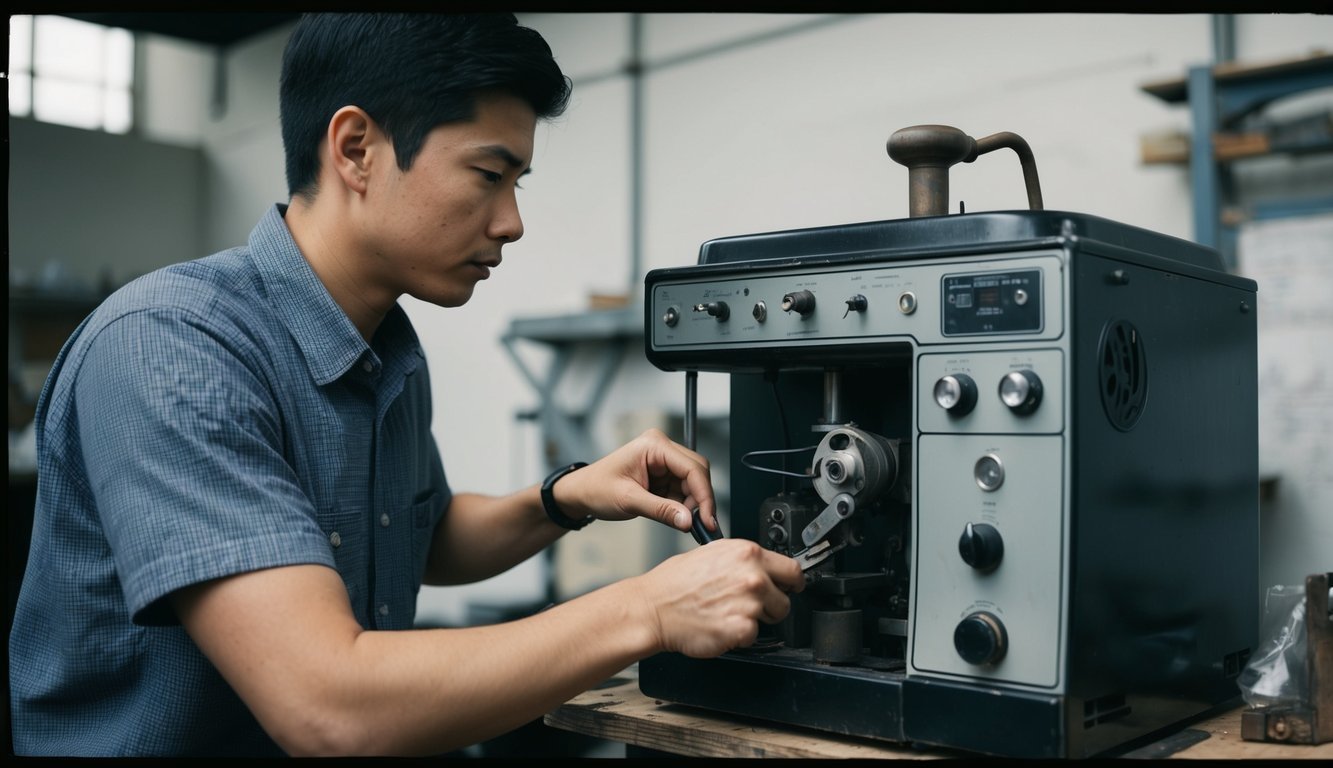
1124,374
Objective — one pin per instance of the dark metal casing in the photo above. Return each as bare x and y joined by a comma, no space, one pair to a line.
1129,505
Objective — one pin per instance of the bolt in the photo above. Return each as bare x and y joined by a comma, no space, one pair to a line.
1280,729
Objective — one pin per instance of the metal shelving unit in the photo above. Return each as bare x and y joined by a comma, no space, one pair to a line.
1222,98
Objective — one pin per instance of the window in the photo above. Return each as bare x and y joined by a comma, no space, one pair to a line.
71,72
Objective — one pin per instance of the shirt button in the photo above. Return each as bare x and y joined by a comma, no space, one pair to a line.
367,366
335,540
384,520
384,609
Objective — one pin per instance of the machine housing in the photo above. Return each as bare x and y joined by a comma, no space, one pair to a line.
1031,437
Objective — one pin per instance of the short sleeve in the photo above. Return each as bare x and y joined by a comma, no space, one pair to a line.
183,446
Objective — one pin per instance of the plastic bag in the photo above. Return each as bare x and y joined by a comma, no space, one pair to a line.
1278,675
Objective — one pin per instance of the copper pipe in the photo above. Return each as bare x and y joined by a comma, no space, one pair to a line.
929,151
1026,160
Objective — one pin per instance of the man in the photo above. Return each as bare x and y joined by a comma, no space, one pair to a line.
239,491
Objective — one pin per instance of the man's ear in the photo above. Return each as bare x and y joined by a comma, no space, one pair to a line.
350,142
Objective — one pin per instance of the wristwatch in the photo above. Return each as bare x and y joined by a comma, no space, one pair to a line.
548,499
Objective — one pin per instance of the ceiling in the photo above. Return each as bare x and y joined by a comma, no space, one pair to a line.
217,28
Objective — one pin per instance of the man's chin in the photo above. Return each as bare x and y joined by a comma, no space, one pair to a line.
455,297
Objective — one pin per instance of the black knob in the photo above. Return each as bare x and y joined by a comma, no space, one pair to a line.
800,302
956,393
1021,391
980,639
718,309
981,546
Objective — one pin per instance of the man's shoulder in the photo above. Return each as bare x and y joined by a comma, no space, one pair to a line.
203,286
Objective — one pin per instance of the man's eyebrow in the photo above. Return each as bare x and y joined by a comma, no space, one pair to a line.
508,157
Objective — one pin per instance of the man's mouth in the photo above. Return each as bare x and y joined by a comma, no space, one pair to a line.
485,265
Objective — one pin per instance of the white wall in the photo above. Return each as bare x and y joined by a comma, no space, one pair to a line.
784,133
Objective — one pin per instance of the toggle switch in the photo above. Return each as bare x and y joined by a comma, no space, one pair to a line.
801,302
857,303
718,309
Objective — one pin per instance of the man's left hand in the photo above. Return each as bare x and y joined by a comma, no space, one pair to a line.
650,476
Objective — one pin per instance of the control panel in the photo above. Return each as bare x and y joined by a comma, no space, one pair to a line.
1017,296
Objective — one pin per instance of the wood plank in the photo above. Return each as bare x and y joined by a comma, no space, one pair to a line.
1177,88
1225,743
619,712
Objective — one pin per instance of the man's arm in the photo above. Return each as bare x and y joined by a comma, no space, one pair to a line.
651,476
286,640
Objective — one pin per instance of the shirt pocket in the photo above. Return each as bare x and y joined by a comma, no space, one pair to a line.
424,514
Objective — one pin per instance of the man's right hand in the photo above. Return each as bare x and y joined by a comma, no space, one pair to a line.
711,599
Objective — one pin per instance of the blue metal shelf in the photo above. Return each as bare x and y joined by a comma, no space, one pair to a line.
1219,97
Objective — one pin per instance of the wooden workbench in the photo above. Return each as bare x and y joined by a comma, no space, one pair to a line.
618,712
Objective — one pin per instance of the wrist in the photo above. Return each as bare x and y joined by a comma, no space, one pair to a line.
644,618
561,506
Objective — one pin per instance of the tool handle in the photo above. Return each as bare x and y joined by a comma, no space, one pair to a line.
700,533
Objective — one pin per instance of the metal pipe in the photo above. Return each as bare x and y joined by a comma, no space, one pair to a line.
1224,38
691,407
929,151
1026,160
634,68
832,397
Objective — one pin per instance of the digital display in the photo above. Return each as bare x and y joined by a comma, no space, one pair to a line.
992,302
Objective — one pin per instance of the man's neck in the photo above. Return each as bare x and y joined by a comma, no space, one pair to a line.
337,262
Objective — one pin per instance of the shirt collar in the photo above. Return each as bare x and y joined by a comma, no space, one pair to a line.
325,334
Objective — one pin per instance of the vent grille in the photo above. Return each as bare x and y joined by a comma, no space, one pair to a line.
1124,374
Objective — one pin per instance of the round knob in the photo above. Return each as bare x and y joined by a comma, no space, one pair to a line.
760,311
930,145
671,317
956,393
980,639
717,309
1021,391
800,302
981,546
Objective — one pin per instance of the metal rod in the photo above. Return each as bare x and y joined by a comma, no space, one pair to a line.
691,407
635,71
1224,38
832,397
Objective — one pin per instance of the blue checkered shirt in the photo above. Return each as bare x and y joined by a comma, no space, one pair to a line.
208,419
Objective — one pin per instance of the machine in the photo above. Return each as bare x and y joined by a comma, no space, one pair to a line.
1016,450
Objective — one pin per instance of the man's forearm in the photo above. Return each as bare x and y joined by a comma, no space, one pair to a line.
319,684
482,536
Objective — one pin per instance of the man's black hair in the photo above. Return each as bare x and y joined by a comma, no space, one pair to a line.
410,73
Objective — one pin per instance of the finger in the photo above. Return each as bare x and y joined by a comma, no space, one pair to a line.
692,472
658,436
776,605
785,572
639,501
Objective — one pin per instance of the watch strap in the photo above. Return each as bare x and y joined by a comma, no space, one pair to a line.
553,510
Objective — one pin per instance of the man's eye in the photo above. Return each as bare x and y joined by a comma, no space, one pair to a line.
491,176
